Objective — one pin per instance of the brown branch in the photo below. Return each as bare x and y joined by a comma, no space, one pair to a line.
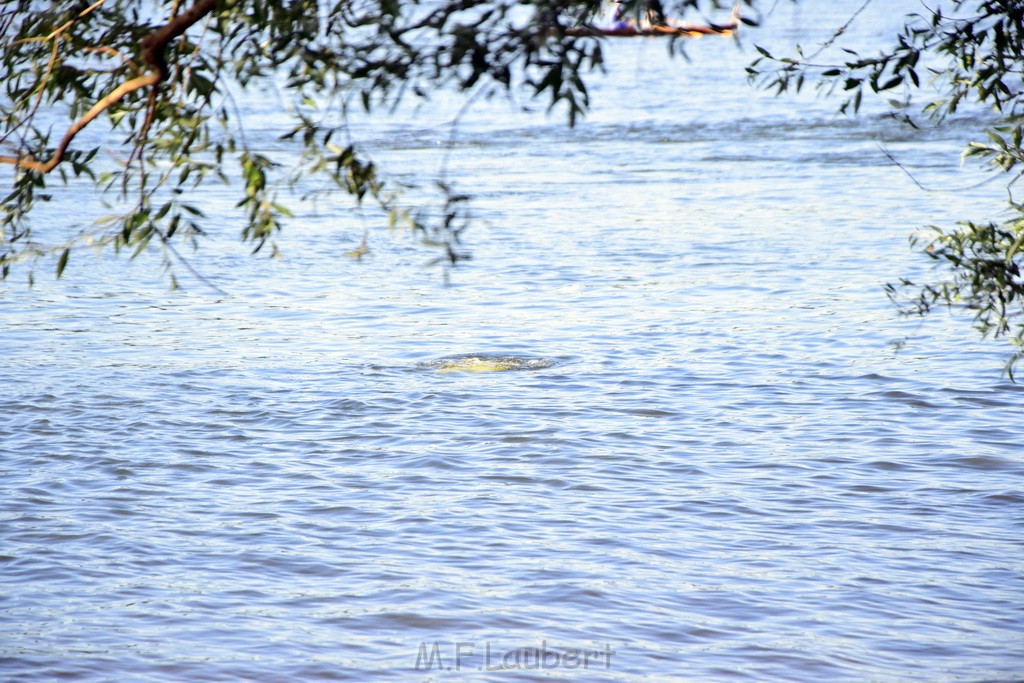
154,46
107,50
112,97
155,43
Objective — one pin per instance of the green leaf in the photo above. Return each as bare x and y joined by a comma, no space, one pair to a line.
62,262
892,83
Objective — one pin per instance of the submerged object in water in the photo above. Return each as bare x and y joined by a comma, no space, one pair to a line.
488,362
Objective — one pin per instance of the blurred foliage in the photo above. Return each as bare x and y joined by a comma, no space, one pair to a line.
949,56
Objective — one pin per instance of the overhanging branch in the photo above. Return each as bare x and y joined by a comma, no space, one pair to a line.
154,47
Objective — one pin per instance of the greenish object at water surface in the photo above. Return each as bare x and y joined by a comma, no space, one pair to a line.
487,362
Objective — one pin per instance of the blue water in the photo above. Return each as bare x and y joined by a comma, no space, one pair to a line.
733,463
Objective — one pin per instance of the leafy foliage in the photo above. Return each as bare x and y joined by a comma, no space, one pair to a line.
164,75
971,53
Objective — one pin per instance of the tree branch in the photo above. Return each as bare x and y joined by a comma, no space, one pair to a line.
154,47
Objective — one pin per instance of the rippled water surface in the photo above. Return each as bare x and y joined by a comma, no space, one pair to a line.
712,463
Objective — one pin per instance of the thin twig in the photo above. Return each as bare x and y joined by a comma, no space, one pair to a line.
454,129
181,259
839,31
910,175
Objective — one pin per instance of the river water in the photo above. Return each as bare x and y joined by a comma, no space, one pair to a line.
721,458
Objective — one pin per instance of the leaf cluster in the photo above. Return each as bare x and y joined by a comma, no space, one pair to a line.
62,65
953,55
